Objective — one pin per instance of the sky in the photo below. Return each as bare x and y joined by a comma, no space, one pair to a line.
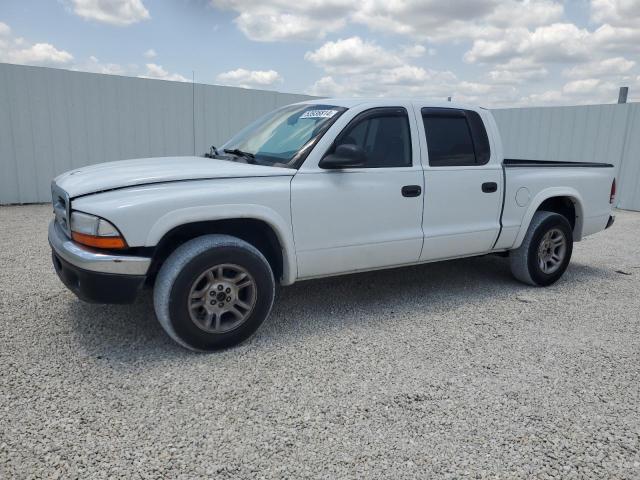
488,52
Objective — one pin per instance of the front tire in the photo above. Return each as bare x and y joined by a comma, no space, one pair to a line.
545,251
213,292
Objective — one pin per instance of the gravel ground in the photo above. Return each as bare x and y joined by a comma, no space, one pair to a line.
449,370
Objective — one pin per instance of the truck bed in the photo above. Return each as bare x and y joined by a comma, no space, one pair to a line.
586,186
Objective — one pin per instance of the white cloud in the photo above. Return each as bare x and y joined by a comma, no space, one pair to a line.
415,51
158,72
365,68
17,50
588,57
519,47
559,42
621,13
4,30
511,74
525,13
549,97
515,45
563,42
328,87
593,58
266,25
39,54
418,80
242,77
556,43
354,67
352,55
113,12
151,70
275,20
581,92
616,39
580,87
601,68
94,65
151,53
437,20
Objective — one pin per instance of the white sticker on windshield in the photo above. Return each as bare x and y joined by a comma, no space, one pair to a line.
318,114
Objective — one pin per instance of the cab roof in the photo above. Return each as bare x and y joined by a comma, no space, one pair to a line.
387,102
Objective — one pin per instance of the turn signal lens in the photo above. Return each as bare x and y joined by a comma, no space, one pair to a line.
95,232
99,242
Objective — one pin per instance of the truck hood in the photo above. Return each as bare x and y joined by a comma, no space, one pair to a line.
144,171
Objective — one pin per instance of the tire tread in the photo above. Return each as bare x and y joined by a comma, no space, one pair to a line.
519,257
178,260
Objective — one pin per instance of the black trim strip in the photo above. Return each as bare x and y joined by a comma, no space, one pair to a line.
516,162
443,112
504,196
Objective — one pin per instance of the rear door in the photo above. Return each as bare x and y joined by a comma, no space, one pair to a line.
463,187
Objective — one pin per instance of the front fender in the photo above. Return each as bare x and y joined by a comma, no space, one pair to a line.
545,194
145,214
182,216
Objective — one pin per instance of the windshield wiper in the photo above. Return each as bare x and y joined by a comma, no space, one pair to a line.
212,153
249,157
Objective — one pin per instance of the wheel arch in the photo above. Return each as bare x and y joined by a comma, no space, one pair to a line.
564,201
259,226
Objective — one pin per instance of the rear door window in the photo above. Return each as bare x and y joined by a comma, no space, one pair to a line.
455,137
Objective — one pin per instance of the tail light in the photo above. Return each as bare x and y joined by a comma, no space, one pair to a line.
612,197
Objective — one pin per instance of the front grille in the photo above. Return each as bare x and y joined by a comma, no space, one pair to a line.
61,207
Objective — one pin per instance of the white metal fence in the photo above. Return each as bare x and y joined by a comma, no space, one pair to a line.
54,120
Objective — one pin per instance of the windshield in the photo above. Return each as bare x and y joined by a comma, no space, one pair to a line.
284,135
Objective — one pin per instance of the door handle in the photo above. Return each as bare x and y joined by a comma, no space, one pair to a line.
489,187
411,191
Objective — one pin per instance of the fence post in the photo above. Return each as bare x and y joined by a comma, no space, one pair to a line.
622,95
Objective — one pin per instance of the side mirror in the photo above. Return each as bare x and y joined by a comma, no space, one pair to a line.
345,156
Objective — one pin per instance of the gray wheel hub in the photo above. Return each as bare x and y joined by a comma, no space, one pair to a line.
222,298
552,251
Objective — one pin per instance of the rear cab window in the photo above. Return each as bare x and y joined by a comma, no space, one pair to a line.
455,137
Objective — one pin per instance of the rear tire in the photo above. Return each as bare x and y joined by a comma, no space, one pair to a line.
545,251
213,292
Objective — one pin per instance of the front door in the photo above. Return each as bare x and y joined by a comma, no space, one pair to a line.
366,217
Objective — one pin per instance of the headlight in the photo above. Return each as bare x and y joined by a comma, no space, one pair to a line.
95,232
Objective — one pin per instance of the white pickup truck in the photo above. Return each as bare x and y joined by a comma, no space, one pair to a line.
315,189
